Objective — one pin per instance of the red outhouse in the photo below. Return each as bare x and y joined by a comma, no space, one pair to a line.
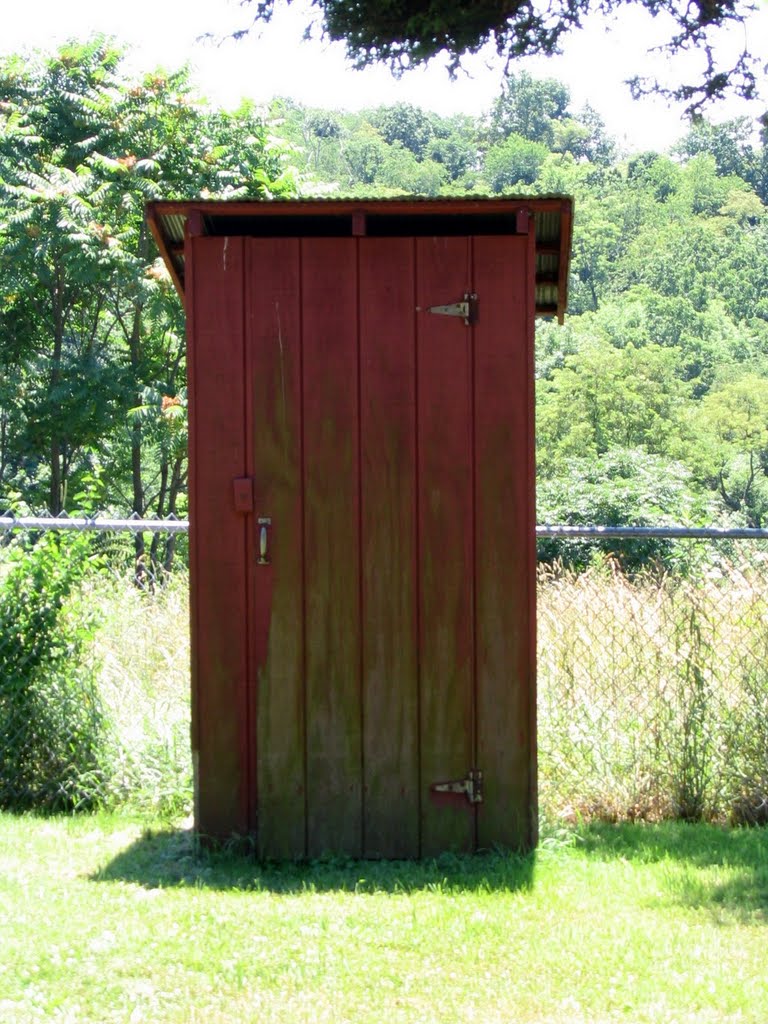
362,516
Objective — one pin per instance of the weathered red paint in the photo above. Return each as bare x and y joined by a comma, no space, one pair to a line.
387,640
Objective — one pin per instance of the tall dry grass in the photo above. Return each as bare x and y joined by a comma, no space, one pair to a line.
142,658
652,692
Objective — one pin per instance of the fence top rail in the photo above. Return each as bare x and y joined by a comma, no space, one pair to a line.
655,532
93,523
134,524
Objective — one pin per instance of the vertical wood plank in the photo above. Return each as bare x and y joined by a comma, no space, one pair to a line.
388,545
533,775
332,556
189,316
274,342
505,572
445,450
219,656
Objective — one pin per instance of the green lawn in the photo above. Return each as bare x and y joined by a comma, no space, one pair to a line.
102,920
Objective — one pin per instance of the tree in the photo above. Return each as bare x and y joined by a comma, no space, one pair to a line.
404,35
598,146
454,145
364,153
657,174
405,124
402,172
529,107
56,261
604,397
732,424
729,143
608,217
512,162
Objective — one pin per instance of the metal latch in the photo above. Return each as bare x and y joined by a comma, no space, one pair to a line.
471,786
466,309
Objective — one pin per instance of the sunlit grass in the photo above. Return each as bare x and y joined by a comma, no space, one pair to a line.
101,921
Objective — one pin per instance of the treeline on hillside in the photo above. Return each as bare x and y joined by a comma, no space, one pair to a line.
652,400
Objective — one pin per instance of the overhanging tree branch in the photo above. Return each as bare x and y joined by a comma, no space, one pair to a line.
404,33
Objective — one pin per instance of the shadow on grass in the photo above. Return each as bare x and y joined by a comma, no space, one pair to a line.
725,869
161,859
707,865
700,845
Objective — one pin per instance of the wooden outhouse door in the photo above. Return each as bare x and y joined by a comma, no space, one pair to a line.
367,402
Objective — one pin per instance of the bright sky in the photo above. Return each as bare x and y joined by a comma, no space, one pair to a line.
277,62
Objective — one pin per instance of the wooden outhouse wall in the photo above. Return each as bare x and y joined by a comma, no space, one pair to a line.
363,552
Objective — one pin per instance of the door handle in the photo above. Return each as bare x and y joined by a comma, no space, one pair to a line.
264,524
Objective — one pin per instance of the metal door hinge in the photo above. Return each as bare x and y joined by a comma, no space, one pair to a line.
471,786
466,309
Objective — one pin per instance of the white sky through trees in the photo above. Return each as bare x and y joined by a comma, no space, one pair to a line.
275,61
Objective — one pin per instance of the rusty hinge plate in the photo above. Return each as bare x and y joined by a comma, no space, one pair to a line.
467,309
471,786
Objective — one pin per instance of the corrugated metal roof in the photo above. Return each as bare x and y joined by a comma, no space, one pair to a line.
552,216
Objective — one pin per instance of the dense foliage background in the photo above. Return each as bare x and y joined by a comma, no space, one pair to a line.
652,400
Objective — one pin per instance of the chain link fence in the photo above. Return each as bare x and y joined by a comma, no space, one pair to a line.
652,665
653,674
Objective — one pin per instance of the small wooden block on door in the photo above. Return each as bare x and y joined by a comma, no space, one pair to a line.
242,493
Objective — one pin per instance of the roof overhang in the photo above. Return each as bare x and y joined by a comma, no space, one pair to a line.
552,217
